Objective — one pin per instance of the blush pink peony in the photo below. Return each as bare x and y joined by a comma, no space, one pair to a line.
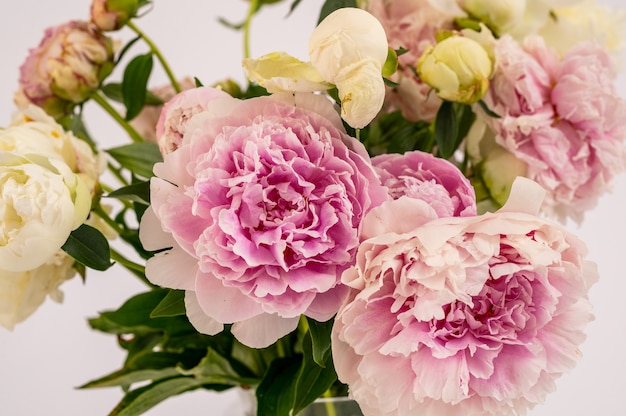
433,180
262,203
412,25
463,316
562,117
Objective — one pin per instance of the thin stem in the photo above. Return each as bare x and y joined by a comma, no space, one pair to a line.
159,55
106,218
329,405
117,172
254,5
98,98
130,265
136,269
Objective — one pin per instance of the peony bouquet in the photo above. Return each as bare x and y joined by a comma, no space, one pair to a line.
385,219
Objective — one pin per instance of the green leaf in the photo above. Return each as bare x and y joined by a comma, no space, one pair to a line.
392,133
136,192
138,401
446,130
135,84
332,5
173,304
75,124
139,158
113,90
126,48
320,338
216,369
88,246
293,6
451,126
125,377
134,317
275,393
391,63
487,110
313,380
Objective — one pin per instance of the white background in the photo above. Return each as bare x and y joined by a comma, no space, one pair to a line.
46,357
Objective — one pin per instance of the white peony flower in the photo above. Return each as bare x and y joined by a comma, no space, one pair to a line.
21,293
349,48
362,93
41,202
344,38
33,131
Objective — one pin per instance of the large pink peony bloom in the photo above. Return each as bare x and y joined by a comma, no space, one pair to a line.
462,316
562,117
262,202
431,179
412,25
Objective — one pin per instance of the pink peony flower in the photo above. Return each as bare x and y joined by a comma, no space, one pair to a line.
463,316
65,68
431,179
262,202
146,121
411,25
175,114
562,117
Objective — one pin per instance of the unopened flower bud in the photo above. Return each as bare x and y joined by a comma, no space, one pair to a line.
111,15
66,68
458,68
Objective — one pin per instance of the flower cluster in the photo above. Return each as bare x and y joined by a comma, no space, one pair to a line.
48,179
385,221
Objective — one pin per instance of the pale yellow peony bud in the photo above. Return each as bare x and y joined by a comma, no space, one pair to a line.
458,68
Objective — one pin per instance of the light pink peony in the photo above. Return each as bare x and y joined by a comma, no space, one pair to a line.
411,25
175,114
433,180
462,316
146,121
65,68
262,202
562,117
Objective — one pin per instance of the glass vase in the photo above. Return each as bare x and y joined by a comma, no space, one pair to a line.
324,406
332,406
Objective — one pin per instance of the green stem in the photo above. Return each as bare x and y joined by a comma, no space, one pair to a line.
155,50
330,406
100,212
137,269
254,5
98,98
117,172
